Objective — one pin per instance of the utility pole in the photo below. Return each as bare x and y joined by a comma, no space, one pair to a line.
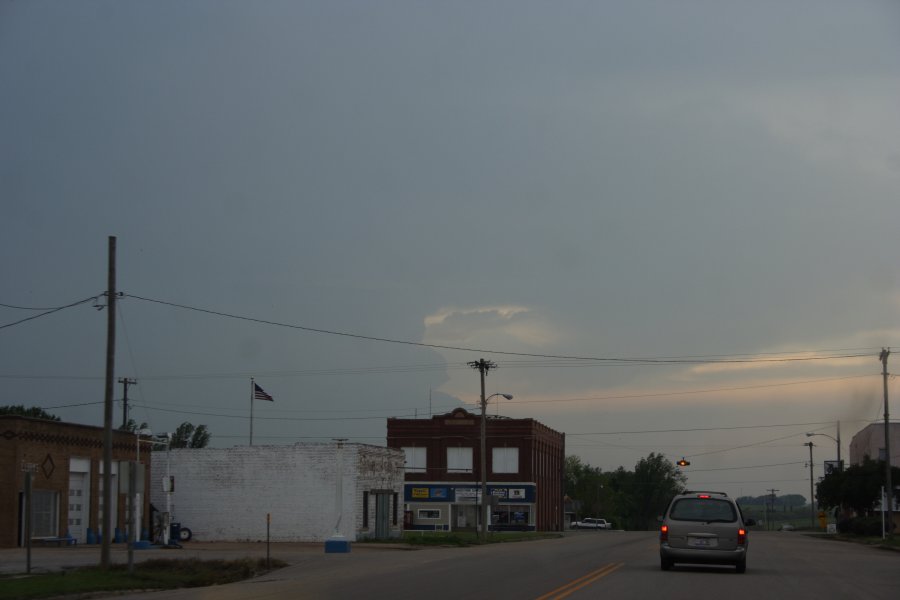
840,462
771,493
885,352
125,383
106,527
812,503
483,367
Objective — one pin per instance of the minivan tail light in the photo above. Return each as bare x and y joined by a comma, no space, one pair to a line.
742,536
664,533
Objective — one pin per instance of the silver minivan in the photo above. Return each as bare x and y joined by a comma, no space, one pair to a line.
703,528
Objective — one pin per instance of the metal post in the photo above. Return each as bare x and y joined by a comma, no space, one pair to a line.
132,495
168,490
28,521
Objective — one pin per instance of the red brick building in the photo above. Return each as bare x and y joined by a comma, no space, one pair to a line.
525,461
67,482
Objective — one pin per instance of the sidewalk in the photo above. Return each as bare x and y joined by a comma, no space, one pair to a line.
49,559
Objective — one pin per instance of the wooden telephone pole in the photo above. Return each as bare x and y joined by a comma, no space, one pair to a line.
106,527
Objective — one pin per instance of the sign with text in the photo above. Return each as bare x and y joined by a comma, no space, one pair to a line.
468,495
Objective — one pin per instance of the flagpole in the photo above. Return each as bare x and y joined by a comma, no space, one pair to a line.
251,409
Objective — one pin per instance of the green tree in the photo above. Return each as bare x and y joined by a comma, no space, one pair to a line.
646,492
132,426
33,412
857,488
631,499
189,436
585,485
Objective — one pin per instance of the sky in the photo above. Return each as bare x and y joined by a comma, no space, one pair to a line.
671,225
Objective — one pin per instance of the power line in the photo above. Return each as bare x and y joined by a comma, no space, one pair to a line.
48,311
799,462
619,360
71,405
778,439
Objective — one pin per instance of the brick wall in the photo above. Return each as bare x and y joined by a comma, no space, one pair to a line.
51,445
224,494
541,454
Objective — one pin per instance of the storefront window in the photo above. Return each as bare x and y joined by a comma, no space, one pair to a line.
45,513
513,515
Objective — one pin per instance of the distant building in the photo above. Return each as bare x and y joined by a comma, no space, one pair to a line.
870,442
224,494
525,461
66,460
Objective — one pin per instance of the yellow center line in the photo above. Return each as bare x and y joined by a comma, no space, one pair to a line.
573,586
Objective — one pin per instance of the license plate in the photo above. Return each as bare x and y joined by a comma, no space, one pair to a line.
702,542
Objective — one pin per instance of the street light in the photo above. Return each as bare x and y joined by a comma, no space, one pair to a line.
138,433
836,440
485,510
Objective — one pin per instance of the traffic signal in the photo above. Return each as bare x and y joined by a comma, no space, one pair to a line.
682,462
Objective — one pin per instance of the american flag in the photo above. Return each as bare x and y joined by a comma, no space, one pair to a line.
260,394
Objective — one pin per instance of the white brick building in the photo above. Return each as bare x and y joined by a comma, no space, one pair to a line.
224,494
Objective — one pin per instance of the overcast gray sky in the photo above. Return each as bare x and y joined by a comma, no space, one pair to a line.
604,180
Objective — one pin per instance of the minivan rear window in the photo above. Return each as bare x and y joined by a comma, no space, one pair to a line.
703,509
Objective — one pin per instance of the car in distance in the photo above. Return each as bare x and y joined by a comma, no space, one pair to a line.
704,528
591,523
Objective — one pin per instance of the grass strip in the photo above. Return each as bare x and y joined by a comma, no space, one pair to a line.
154,574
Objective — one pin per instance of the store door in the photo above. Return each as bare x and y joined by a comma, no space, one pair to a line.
466,516
382,516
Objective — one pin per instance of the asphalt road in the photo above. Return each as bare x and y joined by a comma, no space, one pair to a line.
582,565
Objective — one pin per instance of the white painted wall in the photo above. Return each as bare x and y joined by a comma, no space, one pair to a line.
223,494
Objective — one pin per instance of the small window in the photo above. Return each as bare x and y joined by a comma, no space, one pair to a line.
505,460
45,511
429,513
459,460
415,459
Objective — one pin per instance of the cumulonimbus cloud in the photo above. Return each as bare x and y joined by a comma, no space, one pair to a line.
501,327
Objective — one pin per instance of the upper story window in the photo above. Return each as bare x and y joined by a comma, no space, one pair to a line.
415,459
505,460
459,460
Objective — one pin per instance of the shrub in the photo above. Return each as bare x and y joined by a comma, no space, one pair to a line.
864,526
